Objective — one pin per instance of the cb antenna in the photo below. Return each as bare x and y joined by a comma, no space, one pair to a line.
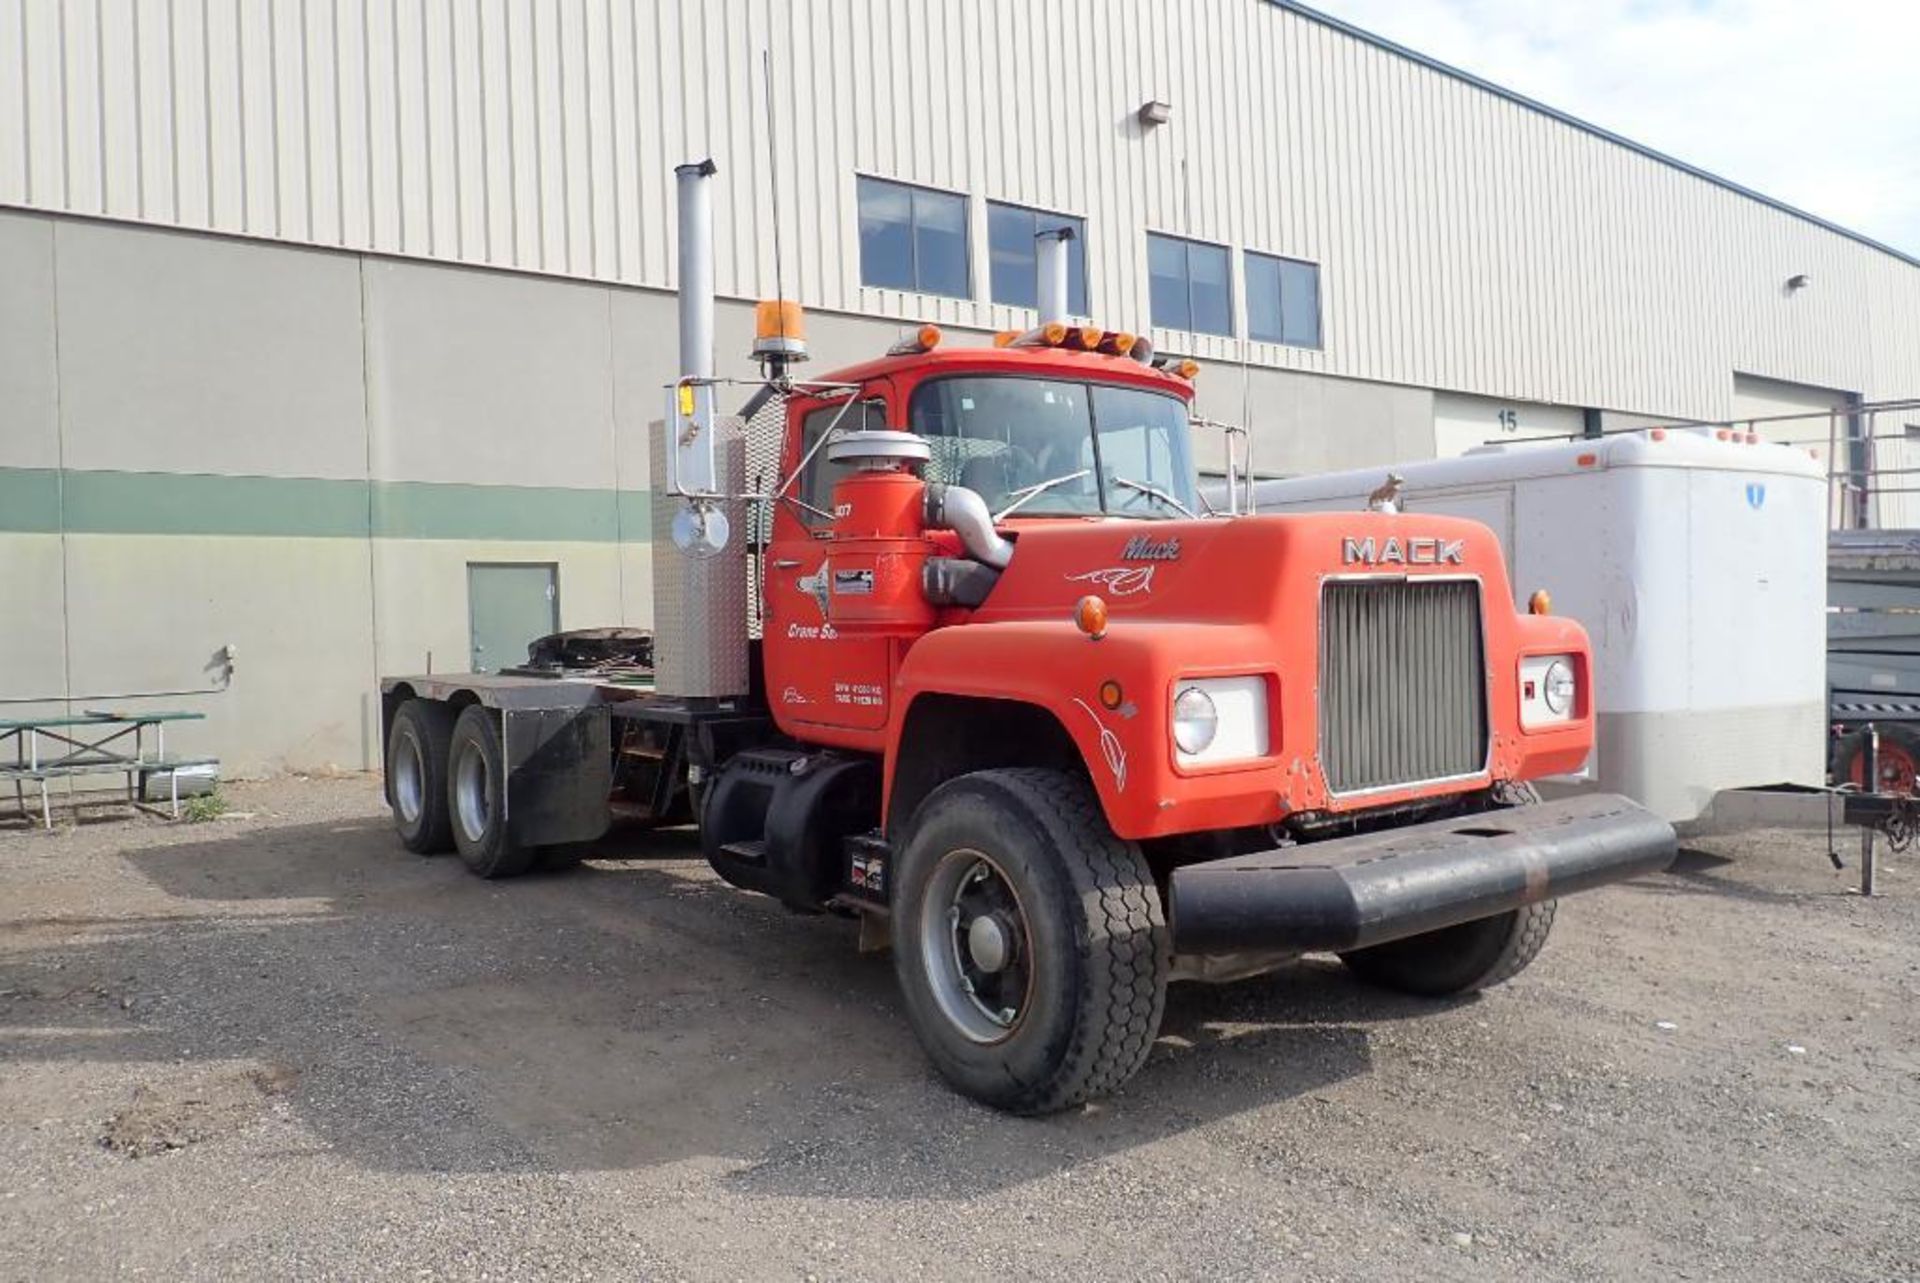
780,336
773,176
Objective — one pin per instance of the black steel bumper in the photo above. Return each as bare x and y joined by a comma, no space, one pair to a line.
1347,893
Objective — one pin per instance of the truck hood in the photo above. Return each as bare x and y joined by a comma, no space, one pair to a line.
1228,570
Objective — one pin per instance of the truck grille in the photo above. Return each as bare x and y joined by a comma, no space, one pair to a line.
1402,682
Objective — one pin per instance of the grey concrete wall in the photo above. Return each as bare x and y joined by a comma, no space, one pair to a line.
201,354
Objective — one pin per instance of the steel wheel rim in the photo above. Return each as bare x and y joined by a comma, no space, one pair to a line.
972,915
1898,771
409,786
472,793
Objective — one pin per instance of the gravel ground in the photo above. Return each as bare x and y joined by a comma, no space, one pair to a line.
278,1045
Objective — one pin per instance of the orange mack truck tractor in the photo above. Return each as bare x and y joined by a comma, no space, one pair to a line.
969,662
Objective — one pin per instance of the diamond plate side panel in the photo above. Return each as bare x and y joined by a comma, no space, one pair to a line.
700,603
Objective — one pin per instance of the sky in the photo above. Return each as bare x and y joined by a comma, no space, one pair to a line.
1812,102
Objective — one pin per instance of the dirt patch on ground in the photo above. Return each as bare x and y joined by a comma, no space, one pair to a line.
159,1120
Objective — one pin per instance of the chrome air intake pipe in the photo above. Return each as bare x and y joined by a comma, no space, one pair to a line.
960,510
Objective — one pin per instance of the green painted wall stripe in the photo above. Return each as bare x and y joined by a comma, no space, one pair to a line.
167,503
429,510
30,499
158,503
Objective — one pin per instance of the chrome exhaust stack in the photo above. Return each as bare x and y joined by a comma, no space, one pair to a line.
1050,250
698,461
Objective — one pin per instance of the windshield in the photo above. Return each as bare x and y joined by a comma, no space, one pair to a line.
1001,434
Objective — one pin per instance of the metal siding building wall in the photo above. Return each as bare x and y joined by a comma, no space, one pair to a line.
1467,241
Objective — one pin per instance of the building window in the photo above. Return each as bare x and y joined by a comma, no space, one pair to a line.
913,238
1011,230
1283,300
1188,281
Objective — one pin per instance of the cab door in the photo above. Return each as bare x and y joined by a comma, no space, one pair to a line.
817,675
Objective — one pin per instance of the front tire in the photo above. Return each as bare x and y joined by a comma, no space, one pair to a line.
1457,960
1466,958
475,781
417,747
1030,942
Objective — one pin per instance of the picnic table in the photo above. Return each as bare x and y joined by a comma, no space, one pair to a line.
92,743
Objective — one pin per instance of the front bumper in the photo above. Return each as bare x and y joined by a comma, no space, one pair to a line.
1348,893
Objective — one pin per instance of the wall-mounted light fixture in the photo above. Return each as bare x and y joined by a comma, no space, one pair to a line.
1155,112
1799,281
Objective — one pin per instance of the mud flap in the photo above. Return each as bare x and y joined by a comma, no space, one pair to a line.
559,764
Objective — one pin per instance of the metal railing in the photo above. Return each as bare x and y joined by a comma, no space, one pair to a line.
1870,449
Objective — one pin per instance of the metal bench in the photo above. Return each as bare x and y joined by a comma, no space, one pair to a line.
92,743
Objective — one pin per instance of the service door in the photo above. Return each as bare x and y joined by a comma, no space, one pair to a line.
508,605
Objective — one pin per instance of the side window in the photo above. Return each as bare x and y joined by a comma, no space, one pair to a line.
815,487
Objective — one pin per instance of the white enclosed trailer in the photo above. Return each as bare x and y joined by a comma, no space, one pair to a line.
1696,559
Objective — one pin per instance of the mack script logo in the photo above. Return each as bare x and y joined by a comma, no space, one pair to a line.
1395,551
1141,548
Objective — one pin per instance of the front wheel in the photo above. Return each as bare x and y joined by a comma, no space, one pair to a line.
1464,958
1457,960
1029,941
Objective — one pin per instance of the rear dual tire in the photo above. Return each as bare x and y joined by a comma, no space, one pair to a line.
443,786
475,770
417,747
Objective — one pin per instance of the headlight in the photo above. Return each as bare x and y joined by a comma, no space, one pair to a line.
1195,721
1557,687
1218,720
1549,690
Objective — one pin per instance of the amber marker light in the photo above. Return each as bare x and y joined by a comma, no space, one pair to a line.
779,319
1541,603
1090,616
1111,695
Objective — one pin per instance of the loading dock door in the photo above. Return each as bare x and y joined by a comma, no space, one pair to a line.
508,605
1812,408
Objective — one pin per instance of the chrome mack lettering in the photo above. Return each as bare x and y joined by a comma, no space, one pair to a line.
1142,548
1422,550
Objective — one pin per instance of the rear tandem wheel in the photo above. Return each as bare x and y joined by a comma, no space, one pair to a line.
474,798
417,775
